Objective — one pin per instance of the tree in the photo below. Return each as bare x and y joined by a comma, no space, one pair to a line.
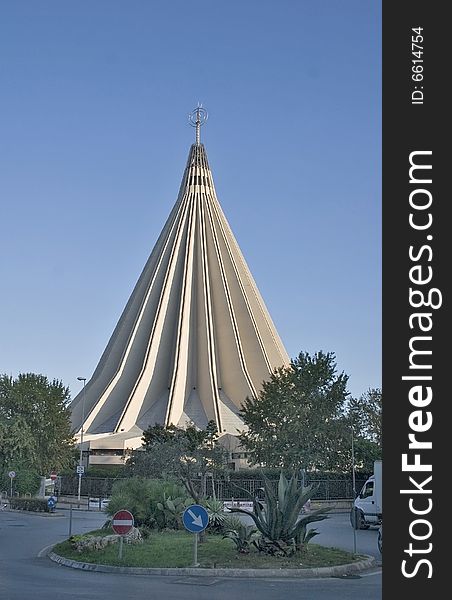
156,434
189,454
35,429
297,420
365,416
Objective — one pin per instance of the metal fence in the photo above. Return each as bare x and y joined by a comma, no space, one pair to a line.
240,489
324,489
98,487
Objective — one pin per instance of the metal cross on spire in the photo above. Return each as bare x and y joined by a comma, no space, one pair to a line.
197,118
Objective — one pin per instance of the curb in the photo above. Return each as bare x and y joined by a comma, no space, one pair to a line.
38,513
336,571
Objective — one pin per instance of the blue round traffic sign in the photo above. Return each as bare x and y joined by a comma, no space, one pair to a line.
51,502
195,518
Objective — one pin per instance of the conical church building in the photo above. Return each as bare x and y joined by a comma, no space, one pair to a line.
195,338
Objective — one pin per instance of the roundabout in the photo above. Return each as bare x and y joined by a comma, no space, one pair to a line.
28,571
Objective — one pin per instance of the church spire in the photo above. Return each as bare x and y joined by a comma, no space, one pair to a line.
195,338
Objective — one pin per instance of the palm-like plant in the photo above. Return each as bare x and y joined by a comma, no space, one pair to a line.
217,516
280,519
242,536
131,494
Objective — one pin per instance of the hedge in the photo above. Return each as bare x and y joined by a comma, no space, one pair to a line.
32,504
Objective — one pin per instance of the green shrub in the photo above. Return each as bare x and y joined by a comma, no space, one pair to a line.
151,501
133,495
171,510
26,481
32,504
105,471
173,498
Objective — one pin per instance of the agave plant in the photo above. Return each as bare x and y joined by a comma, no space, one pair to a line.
217,516
242,536
232,522
279,517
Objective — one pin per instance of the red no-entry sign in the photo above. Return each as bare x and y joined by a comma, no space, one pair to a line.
53,475
122,522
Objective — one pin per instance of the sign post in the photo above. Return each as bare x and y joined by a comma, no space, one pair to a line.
354,513
80,472
70,520
122,523
11,476
195,519
53,476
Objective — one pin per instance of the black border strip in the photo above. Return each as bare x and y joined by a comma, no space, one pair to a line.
410,127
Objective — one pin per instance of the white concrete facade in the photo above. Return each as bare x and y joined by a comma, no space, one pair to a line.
195,338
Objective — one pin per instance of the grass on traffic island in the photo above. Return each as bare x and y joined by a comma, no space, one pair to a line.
175,549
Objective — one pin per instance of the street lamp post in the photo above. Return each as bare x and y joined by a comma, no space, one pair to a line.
354,491
80,462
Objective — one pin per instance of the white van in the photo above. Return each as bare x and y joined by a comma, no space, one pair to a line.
367,508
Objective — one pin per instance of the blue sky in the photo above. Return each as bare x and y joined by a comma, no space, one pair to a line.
93,143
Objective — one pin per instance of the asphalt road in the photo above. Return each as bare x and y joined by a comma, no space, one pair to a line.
26,573
336,531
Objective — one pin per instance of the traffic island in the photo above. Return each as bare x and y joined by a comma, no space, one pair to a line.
364,563
171,553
